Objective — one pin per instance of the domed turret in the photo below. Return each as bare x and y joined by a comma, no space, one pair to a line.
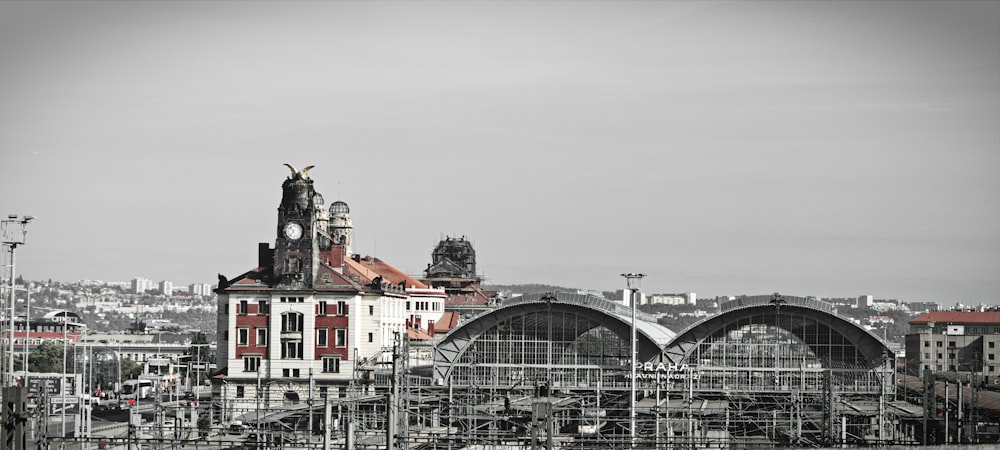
340,227
339,207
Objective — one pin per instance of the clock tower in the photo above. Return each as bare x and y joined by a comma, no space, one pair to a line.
296,248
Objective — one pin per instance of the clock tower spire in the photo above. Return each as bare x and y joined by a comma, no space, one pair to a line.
295,251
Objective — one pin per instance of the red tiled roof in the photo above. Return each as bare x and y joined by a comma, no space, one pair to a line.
448,322
73,336
369,268
248,278
333,276
477,297
958,317
417,334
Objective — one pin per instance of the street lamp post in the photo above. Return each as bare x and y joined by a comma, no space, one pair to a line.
62,382
27,330
633,280
13,231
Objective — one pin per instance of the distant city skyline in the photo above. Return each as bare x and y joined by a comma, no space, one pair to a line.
823,148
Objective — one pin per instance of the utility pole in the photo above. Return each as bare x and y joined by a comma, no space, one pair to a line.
392,406
930,406
15,416
309,401
633,280
947,412
960,418
13,232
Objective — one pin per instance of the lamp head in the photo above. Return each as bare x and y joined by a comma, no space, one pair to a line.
27,219
633,279
11,216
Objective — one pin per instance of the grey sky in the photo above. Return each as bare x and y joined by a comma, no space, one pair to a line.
811,148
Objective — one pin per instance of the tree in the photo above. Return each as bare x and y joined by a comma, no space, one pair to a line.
130,369
47,358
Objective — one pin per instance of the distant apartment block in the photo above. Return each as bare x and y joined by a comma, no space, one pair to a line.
923,306
166,288
141,285
627,301
200,289
688,298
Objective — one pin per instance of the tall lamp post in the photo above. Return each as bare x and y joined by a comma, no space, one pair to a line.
13,231
633,280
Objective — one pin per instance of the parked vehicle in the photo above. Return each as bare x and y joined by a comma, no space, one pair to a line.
137,389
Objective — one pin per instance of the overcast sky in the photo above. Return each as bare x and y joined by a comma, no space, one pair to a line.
807,148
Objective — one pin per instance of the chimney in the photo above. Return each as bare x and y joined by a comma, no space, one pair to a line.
265,256
430,327
336,256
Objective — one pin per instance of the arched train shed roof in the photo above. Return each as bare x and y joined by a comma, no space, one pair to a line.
783,312
616,317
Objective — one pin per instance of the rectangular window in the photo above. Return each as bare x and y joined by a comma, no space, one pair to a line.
240,391
991,357
284,373
251,363
341,337
323,391
242,336
262,337
331,364
371,337
321,338
927,343
407,305
242,307
296,373
291,350
951,343
993,344
262,308
342,308
927,356
938,343
939,357
291,323
371,312
322,308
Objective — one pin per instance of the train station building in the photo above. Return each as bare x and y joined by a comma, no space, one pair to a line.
316,331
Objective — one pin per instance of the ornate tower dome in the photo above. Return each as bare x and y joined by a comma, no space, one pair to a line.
339,207
340,227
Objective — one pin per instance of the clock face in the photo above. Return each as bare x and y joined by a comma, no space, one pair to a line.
293,230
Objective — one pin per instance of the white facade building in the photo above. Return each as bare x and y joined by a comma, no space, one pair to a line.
309,314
